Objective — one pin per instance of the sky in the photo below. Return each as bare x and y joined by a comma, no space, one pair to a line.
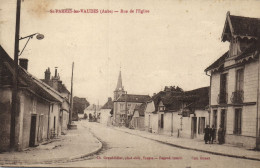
169,46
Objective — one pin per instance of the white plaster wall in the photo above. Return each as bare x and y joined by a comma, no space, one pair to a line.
250,82
215,86
155,123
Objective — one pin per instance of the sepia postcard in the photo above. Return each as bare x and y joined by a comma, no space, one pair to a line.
130,83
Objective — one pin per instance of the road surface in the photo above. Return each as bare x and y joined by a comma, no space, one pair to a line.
121,149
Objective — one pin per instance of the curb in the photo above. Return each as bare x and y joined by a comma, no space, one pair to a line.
194,149
57,160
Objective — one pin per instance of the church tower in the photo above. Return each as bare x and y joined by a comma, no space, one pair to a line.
119,87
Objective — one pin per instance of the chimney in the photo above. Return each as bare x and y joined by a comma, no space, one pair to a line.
109,99
56,72
47,74
23,62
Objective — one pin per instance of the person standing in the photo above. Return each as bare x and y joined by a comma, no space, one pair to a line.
212,134
207,134
220,135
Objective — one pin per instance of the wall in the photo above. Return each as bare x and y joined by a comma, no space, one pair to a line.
29,106
55,112
186,127
250,82
154,118
176,122
121,110
138,123
65,115
168,119
27,100
248,131
105,116
148,112
5,109
214,89
42,110
65,120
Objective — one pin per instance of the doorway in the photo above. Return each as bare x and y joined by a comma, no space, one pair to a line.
223,118
194,127
32,131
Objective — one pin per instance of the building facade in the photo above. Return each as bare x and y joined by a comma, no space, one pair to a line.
37,116
106,112
124,104
234,83
57,84
180,114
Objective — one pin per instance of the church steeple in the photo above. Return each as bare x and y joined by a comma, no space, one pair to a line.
119,87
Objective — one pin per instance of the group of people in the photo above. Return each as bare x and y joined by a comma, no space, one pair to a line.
210,134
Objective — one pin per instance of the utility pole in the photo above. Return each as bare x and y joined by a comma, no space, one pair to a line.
71,97
126,119
15,77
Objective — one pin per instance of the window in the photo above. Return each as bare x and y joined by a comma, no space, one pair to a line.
161,108
122,107
34,103
239,79
201,125
233,47
238,120
223,88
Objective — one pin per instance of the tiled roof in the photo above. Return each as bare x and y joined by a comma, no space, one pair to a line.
239,26
249,51
245,26
171,100
218,63
61,87
133,98
197,99
141,109
33,84
108,105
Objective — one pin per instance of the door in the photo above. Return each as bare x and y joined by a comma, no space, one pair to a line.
149,121
215,119
32,131
162,121
223,119
194,127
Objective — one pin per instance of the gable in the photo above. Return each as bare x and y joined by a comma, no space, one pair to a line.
242,27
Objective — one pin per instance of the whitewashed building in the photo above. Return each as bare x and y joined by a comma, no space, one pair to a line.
180,114
106,112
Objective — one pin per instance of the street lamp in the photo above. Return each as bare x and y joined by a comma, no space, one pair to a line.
38,36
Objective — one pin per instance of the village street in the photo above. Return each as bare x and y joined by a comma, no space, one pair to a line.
139,151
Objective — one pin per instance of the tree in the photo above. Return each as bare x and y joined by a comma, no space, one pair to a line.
173,89
79,105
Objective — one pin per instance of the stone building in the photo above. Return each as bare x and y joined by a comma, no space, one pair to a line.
37,117
124,103
57,84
